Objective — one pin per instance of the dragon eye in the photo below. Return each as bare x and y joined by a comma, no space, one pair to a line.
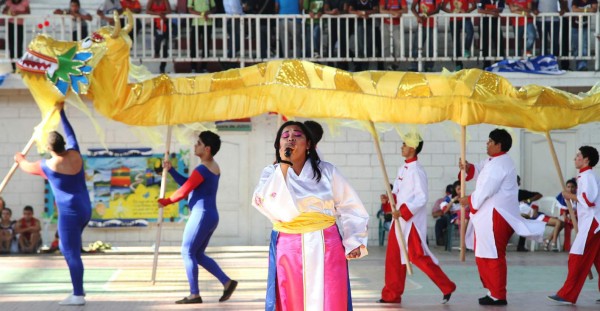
87,43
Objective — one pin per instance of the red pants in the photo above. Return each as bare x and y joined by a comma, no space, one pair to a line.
493,271
395,273
567,242
580,265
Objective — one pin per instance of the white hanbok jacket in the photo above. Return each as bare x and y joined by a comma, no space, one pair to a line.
333,196
496,189
588,207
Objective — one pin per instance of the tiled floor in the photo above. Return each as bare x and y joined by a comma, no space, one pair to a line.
120,280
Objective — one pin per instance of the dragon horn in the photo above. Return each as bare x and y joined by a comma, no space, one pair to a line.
117,29
129,26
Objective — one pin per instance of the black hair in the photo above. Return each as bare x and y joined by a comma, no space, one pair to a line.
28,208
572,181
7,209
311,155
419,147
450,189
56,142
76,2
590,153
315,129
501,136
211,140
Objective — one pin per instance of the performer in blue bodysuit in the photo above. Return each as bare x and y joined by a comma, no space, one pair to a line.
200,189
66,176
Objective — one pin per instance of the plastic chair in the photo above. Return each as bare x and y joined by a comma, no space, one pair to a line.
550,207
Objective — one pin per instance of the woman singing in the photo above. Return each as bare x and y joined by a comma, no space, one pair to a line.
304,197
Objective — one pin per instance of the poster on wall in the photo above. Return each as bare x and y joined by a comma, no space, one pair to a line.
124,185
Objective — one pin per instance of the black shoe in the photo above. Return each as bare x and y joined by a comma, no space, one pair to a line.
186,300
446,298
228,291
488,301
384,301
598,301
522,249
556,298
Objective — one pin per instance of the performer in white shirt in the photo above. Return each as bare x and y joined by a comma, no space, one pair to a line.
304,197
585,251
495,215
410,190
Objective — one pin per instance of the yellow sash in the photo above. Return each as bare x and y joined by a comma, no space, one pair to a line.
305,222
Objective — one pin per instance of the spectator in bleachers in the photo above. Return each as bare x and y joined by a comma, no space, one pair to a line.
581,24
28,228
16,32
423,10
392,26
106,9
233,7
287,30
314,8
136,8
460,26
489,34
523,24
364,29
338,43
266,26
161,28
7,231
549,27
571,185
201,30
79,16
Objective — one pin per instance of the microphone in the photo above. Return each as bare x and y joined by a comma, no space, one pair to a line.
287,152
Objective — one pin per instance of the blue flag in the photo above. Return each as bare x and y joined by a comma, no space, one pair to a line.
545,64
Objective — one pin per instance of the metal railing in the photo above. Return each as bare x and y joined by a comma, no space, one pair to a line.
334,39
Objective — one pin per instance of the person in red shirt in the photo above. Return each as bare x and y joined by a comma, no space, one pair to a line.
392,29
460,27
423,10
523,8
136,8
28,228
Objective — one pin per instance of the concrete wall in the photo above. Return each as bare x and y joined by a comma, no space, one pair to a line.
352,150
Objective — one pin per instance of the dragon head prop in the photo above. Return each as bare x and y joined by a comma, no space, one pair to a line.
52,69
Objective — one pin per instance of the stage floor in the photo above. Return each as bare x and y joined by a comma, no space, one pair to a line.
120,280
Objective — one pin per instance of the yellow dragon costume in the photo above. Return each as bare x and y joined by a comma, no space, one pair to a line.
98,68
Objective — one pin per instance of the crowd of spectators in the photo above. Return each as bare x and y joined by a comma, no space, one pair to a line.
375,37
19,236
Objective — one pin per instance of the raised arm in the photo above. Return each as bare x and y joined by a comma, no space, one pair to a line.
70,134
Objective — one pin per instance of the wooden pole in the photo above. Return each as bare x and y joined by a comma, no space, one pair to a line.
564,187
161,195
397,226
25,150
463,188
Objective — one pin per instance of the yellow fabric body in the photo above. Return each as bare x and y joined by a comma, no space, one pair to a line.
302,89
305,222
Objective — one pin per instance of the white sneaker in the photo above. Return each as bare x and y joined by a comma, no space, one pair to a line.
73,300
